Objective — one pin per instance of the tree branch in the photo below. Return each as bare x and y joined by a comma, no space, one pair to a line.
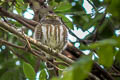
93,76
36,43
115,75
103,71
61,63
26,22
12,45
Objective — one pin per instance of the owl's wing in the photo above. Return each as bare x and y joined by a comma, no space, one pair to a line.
38,32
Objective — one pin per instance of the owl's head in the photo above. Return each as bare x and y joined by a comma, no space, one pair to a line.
52,16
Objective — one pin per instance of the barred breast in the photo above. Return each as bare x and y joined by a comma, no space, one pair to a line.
52,35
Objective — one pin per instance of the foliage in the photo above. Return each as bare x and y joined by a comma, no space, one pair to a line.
104,41
29,71
79,68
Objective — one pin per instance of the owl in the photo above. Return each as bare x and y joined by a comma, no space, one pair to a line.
51,32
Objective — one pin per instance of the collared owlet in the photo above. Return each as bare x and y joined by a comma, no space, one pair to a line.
51,32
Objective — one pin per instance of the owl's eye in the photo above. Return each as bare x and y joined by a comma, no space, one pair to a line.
51,17
47,17
55,16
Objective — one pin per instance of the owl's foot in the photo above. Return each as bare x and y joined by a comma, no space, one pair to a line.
51,50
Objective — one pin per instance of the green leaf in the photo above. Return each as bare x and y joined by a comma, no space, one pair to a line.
79,70
42,65
68,75
29,57
53,3
114,8
83,47
42,75
117,60
117,57
102,43
20,1
82,67
19,11
29,71
118,40
104,49
61,6
55,78
66,21
105,54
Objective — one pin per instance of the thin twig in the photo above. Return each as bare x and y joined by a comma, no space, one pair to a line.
115,70
61,63
115,75
29,46
93,76
10,44
103,71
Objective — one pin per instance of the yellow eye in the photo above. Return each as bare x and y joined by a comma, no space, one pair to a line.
47,17
51,16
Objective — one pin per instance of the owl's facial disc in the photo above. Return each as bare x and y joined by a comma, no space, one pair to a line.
52,16
51,19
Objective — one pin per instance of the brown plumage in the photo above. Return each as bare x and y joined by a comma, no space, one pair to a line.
51,32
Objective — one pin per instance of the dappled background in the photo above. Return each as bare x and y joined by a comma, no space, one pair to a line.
94,29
